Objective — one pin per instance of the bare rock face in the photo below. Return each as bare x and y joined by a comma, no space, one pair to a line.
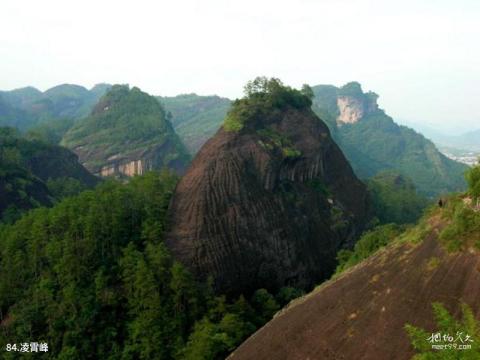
362,313
141,161
351,109
353,104
267,205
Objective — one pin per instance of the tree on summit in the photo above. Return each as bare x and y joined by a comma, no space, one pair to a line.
263,96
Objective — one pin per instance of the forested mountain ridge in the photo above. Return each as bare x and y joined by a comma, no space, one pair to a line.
195,118
32,107
395,199
126,133
34,173
92,278
373,142
370,139
269,199
12,116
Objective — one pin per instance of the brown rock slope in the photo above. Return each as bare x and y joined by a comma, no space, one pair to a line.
362,314
267,205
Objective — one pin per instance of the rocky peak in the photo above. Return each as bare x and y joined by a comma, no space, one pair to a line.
269,199
126,134
353,104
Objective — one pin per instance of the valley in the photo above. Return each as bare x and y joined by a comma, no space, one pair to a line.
468,157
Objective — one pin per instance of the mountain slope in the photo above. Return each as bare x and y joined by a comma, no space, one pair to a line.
395,198
33,173
362,313
195,118
269,199
127,133
63,101
373,142
12,116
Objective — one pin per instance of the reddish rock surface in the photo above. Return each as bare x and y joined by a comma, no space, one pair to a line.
251,216
362,314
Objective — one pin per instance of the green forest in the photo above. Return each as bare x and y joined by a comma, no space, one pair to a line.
240,180
125,121
35,173
92,277
376,143
195,118
83,263
264,97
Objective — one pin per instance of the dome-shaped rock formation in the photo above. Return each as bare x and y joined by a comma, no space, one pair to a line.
269,200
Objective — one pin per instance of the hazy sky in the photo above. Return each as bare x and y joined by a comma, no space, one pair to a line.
421,56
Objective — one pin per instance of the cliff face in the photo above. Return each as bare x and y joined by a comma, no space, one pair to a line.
373,142
268,205
353,104
141,161
352,109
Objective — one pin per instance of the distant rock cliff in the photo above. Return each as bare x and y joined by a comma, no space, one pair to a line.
373,142
269,200
143,160
126,134
353,104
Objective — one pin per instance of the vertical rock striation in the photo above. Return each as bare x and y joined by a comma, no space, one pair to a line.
268,205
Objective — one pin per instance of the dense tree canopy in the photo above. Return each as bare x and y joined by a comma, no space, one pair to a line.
92,277
34,173
265,96
395,199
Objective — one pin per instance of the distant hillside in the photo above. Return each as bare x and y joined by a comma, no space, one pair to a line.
195,118
467,141
471,138
127,133
34,173
31,106
395,199
12,116
373,142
